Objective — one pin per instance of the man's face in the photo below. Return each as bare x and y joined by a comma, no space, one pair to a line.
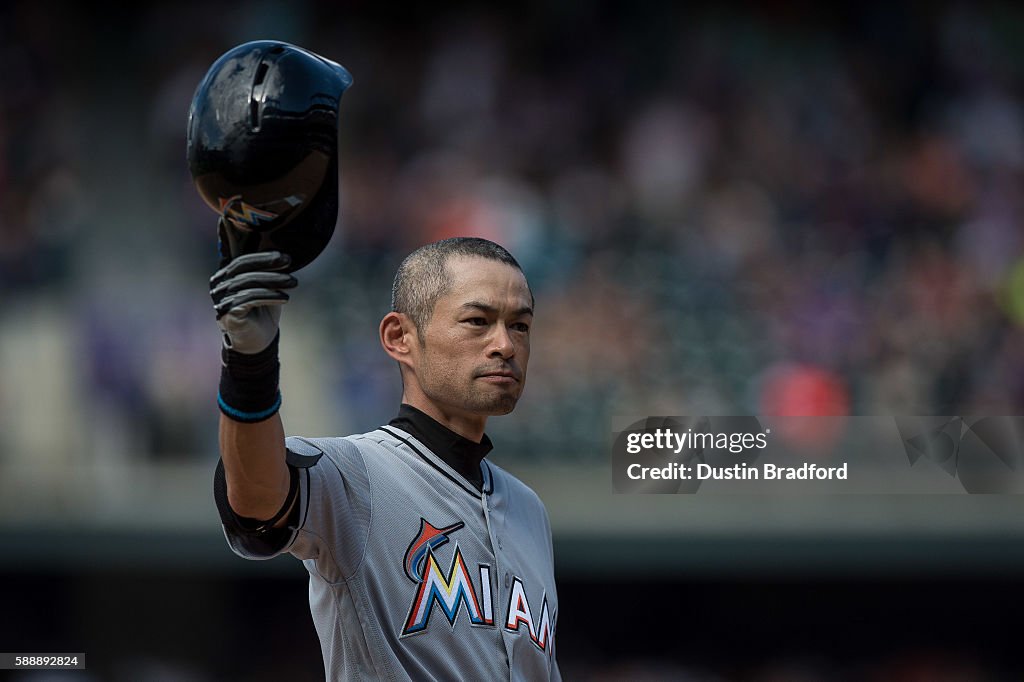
475,347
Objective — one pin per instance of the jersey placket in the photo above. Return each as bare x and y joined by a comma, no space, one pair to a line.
502,576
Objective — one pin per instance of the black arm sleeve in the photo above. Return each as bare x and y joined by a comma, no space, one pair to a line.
258,537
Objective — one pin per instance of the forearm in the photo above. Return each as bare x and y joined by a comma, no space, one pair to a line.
254,465
248,295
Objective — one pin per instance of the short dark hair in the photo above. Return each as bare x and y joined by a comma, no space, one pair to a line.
423,276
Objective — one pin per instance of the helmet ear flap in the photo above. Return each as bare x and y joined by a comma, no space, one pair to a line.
262,147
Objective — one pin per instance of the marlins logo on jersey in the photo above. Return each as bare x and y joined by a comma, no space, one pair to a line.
454,589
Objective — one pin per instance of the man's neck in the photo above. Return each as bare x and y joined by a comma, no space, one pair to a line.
469,426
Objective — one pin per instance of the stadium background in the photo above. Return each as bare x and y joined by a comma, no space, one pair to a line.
770,209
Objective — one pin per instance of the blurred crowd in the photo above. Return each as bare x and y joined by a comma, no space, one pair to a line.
756,211
776,209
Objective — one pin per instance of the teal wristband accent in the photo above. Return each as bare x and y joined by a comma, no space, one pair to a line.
248,417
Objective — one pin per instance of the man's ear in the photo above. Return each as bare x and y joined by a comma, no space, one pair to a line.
398,336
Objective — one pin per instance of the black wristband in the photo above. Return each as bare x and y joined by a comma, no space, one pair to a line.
249,384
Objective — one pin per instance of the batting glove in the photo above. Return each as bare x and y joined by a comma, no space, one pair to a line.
247,296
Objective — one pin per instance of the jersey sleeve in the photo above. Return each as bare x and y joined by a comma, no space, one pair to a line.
328,526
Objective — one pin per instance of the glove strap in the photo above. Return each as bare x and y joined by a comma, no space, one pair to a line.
249,384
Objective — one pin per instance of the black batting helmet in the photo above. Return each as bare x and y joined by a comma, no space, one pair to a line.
263,148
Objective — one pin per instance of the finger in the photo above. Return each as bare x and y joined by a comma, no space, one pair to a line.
253,280
250,298
249,306
252,262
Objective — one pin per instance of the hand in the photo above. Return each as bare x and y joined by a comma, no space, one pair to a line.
247,297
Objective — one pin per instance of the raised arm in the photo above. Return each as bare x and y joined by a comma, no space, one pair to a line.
248,293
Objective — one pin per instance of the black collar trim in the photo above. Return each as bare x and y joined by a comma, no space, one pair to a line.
444,442
458,452
488,479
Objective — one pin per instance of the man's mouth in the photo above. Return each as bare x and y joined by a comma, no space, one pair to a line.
500,376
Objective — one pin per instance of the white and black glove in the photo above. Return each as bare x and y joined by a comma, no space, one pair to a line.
247,296
248,292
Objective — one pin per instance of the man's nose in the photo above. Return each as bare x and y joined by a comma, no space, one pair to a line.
501,343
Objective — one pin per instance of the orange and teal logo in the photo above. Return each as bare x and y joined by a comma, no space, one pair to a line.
243,215
451,590
454,590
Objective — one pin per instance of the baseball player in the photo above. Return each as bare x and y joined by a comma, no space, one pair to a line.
426,561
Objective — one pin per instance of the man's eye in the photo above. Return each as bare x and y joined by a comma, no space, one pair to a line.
476,321
521,327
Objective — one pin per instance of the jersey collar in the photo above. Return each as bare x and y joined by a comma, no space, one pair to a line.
458,452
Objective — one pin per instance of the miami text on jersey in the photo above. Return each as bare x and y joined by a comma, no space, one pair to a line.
452,589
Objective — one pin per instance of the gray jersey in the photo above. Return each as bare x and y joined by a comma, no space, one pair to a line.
414,573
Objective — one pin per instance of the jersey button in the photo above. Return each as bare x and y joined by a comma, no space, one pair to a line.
508,579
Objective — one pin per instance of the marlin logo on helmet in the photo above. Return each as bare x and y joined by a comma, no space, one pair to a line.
242,215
